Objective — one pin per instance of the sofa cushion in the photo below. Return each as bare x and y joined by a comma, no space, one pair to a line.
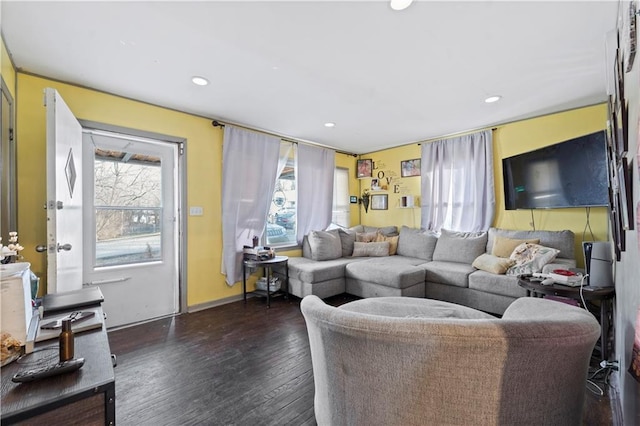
504,285
561,240
393,242
366,237
325,245
531,258
392,271
416,243
494,264
451,273
411,307
347,238
373,249
503,246
462,247
306,250
311,271
388,231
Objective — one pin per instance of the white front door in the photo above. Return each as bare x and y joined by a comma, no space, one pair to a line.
64,196
131,225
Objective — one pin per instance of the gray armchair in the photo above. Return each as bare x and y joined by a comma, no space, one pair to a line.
408,361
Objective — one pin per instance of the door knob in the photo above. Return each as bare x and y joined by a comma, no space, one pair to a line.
65,247
41,248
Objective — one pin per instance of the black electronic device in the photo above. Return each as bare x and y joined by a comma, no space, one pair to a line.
572,173
48,371
73,299
598,261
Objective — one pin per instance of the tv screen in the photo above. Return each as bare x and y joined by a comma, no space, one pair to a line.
568,174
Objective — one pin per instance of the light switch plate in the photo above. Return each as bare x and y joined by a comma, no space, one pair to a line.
195,211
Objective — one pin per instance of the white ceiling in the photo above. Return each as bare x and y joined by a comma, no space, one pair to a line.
385,78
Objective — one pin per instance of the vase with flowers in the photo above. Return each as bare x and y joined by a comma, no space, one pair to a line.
365,200
11,252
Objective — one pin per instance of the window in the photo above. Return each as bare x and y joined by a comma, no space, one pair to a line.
341,213
128,208
281,221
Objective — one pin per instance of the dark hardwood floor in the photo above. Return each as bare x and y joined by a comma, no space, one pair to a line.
234,364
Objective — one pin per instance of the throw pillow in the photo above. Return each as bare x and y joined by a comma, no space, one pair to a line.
530,258
325,245
371,249
462,247
416,243
494,264
387,231
503,246
347,238
366,237
393,242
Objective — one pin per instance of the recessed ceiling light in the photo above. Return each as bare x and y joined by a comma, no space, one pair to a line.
492,99
400,4
329,124
200,81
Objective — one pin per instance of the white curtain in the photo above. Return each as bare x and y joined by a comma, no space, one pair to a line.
249,172
316,167
457,183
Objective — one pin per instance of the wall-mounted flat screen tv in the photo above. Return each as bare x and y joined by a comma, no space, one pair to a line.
568,174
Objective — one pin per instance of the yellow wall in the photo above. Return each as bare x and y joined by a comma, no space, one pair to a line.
508,140
204,173
386,168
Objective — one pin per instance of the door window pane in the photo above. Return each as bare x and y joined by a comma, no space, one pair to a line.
128,208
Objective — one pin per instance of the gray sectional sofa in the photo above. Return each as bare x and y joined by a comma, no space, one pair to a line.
421,264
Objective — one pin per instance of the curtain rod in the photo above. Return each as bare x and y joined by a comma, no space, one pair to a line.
217,123
453,135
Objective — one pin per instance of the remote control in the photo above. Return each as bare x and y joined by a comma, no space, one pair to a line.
48,371
75,317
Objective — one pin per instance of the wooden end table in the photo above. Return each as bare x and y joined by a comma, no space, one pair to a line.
604,295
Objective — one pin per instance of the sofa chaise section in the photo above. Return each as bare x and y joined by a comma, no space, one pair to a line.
386,276
320,278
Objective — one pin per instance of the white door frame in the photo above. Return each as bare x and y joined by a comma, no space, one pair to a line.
181,199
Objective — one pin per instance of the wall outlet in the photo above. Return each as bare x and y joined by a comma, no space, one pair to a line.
195,211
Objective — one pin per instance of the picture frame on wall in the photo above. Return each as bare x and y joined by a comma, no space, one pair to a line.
379,202
410,168
364,168
629,36
626,196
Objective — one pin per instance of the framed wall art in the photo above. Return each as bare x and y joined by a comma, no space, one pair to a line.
364,168
410,168
379,202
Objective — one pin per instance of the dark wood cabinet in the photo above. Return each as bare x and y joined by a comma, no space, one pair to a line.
83,397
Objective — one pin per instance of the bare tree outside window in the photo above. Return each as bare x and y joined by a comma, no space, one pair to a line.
128,206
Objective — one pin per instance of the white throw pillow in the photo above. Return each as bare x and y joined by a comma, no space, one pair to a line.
530,258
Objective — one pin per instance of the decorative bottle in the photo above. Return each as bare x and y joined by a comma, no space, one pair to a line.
66,341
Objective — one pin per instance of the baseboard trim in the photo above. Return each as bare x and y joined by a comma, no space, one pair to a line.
214,303
614,400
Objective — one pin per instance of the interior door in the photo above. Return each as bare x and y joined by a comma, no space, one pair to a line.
131,225
64,196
